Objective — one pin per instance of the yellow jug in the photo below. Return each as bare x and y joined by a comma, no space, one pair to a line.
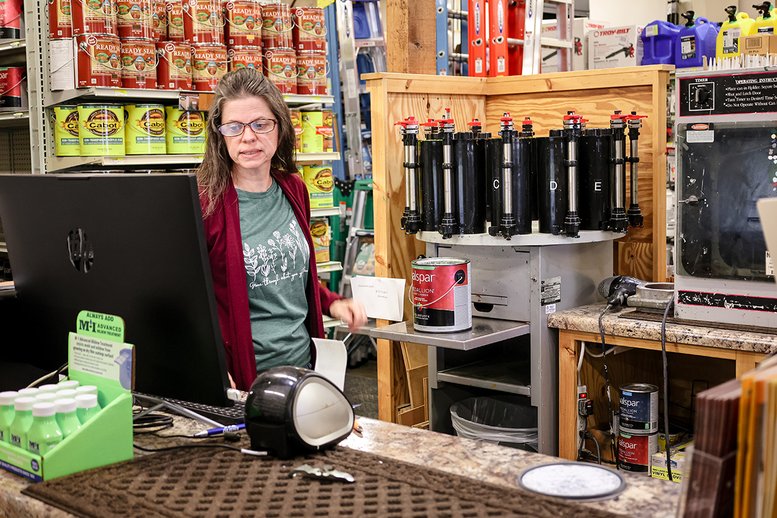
737,26
766,22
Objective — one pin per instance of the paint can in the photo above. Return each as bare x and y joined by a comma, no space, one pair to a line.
317,131
442,295
101,130
639,408
276,25
243,23
280,66
138,63
134,18
94,17
60,19
184,131
98,58
174,19
13,87
144,129
296,123
66,131
209,64
11,19
245,57
309,29
203,21
159,20
62,74
320,183
311,73
174,65
635,451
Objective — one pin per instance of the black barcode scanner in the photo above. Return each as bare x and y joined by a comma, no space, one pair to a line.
618,289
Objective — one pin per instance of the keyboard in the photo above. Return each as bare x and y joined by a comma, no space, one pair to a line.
225,415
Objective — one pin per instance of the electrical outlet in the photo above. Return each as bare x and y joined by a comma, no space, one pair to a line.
582,401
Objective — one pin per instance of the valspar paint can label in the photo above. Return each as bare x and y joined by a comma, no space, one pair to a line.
639,408
635,451
60,24
174,65
209,64
203,21
245,57
185,131
442,296
138,63
243,22
101,130
66,131
320,183
94,17
144,129
280,65
99,60
13,90
309,29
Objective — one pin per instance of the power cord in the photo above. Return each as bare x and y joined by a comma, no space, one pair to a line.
183,446
669,306
47,376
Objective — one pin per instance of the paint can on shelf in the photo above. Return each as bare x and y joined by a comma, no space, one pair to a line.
209,64
243,23
94,17
184,131
309,29
280,66
138,63
158,20
98,58
134,18
245,57
174,65
11,19
13,87
320,183
639,408
203,21
60,22
442,295
66,131
311,73
101,129
296,123
317,131
276,25
144,129
635,451
174,19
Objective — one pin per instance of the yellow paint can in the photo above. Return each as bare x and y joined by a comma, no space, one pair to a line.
317,132
144,129
66,131
185,131
101,129
320,183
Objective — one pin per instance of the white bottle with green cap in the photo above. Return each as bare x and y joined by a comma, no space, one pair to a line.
66,416
6,414
87,407
21,421
68,384
44,432
49,388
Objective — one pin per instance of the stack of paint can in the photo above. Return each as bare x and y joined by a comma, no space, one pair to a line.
310,45
317,132
138,48
243,32
280,59
203,25
97,47
637,427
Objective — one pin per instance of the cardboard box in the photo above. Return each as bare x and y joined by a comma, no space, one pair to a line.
613,47
580,29
678,458
759,44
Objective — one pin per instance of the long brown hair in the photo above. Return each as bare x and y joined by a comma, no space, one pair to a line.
215,172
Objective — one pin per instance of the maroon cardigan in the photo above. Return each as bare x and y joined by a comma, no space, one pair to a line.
225,250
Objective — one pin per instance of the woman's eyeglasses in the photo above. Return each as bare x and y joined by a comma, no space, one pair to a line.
234,129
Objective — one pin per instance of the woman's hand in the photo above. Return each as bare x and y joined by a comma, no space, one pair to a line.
350,312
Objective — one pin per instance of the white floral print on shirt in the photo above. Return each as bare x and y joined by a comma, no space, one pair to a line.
278,261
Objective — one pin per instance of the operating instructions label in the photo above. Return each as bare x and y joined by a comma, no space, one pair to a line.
550,291
729,94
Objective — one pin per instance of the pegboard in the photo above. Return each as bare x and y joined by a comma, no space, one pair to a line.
15,152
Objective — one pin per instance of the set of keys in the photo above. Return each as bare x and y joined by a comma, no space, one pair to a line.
326,473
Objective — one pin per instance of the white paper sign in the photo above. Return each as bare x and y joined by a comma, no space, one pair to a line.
331,360
381,297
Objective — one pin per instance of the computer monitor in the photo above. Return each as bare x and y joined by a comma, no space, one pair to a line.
123,244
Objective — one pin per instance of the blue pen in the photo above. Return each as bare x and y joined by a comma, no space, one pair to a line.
216,431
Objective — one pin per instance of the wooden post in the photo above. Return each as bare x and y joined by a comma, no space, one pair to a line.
410,38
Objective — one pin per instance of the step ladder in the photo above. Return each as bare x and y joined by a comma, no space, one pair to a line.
356,232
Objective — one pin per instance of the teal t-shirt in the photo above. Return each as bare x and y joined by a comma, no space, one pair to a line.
276,257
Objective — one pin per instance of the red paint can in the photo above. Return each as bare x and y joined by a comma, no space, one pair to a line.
636,451
209,64
280,66
134,18
276,25
98,58
94,17
158,20
138,63
13,91
243,23
309,29
174,65
203,21
442,295
11,19
174,9
311,73
245,57
60,20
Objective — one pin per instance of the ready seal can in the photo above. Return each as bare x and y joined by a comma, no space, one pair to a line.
174,9
243,23
245,57
98,58
101,130
159,20
320,183
636,451
144,129
60,19
134,18
280,66
13,90
442,296
639,408
66,131
138,63
317,131
311,73
309,29
203,21
94,17
209,64
174,65
185,131
277,25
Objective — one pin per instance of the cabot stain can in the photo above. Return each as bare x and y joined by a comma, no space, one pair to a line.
185,131
245,57
138,63
277,25
98,58
144,129
101,130
174,65
311,73
296,123
94,17
280,66
442,295
134,18
174,9
13,90
320,183
60,19
639,408
243,23
635,451
209,64
317,131
66,131
203,21
159,20
309,29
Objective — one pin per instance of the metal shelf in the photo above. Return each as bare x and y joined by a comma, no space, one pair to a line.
368,42
484,331
533,239
329,266
12,51
510,377
14,117
299,99
77,162
330,322
322,213
312,158
3,247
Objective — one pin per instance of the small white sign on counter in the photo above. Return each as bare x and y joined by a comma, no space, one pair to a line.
382,297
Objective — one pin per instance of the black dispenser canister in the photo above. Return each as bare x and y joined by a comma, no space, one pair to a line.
594,150
552,181
494,175
521,171
431,178
527,130
469,150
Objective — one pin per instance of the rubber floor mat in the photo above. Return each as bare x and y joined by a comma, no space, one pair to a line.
225,483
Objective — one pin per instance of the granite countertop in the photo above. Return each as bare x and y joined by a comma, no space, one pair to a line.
586,319
478,460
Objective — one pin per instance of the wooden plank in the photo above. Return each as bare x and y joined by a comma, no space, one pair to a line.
636,259
672,347
411,416
658,201
747,361
410,44
425,84
567,395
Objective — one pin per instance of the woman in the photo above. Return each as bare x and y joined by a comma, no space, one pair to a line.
256,215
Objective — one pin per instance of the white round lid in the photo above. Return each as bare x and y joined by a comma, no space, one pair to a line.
68,384
65,405
7,397
86,389
30,391
50,387
45,397
44,409
573,480
24,403
67,393
86,400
